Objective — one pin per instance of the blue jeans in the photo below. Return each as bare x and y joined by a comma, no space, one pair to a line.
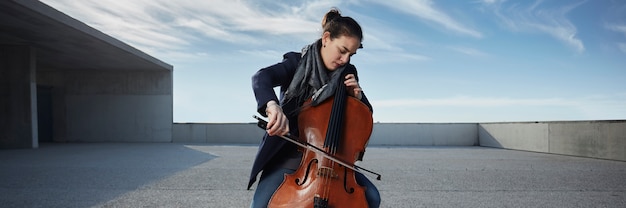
270,181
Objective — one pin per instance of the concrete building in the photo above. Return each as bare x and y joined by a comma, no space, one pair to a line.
61,80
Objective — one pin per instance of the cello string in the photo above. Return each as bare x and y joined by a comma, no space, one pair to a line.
337,120
326,185
334,129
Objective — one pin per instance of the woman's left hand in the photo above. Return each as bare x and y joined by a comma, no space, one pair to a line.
354,89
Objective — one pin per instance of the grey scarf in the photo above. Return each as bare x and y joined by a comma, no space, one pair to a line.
312,79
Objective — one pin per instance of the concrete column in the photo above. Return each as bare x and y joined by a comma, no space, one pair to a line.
18,97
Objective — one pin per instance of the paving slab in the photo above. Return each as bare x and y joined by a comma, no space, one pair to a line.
204,175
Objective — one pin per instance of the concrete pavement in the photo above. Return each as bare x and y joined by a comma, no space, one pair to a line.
202,175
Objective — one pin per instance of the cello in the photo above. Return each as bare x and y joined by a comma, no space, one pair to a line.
333,135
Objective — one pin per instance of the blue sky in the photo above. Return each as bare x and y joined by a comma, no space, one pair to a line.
422,61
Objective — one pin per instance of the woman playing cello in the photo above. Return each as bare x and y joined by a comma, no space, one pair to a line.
309,76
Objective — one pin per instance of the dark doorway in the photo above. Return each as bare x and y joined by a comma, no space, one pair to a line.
44,113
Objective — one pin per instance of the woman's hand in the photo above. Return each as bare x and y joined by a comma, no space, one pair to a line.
354,89
278,124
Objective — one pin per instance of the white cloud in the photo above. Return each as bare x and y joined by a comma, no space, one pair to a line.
490,1
172,25
620,29
426,10
536,18
565,33
616,28
469,51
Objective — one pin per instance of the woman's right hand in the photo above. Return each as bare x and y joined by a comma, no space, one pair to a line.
278,124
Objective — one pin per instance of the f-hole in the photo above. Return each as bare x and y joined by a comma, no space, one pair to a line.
345,181
306,176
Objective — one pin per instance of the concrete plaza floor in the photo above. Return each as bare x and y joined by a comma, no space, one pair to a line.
201,175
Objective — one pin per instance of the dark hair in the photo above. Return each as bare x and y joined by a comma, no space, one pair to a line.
338,25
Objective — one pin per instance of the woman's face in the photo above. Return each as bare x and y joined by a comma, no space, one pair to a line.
337,52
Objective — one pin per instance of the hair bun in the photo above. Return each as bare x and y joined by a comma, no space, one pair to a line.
330,16
337,25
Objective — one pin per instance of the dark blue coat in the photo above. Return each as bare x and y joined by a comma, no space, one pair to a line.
263,83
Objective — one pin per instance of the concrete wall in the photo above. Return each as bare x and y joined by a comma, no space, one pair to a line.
425,134
219,133
595,139
111,105
519,136
382,134
18,100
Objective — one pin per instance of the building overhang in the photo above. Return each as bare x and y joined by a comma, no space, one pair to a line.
64,43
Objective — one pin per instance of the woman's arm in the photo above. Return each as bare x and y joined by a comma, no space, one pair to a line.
263,83
280,74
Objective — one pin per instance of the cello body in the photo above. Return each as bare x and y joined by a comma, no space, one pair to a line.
319,182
